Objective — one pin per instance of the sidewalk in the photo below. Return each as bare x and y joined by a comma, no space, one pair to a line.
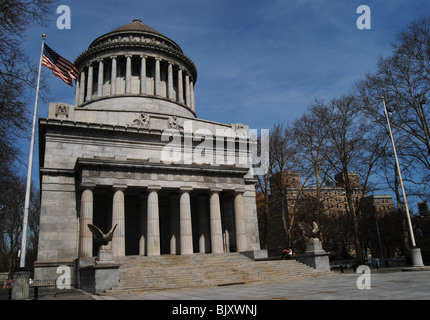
397,285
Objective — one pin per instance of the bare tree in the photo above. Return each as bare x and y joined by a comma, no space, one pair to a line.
11,209
17,72
17,80
283,161
353,147
404,80
311,134
263,201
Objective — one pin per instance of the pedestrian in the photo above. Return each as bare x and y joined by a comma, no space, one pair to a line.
284,254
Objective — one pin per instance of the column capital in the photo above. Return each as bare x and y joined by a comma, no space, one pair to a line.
85,186
117,187
185,189
113,57
215,190
154,188
128,56
143,56
239,190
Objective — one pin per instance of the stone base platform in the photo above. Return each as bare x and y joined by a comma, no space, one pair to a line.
142,273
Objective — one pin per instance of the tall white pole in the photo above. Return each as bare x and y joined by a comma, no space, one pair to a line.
416,260
30,166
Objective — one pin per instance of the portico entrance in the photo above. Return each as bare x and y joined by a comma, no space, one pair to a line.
155,220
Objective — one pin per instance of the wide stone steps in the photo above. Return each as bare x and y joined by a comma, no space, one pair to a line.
140,273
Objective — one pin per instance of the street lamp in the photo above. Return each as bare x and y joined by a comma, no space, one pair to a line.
417,260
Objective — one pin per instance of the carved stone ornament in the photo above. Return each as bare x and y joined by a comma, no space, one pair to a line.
143,121
240,130
61,111
174,124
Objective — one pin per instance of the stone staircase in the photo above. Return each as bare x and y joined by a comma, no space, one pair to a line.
139,274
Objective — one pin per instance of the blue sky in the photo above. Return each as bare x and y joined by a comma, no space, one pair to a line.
259,62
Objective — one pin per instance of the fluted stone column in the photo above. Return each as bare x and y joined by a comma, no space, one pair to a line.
170,94
90,82
239,215
153,222
143,75
128,74
85,218
113,76
187,90
77,91
100,79
192,98
82,88
180,87
215,222
185,221
118,217
157,77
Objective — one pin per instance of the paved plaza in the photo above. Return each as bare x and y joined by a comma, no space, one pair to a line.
391,285
413,285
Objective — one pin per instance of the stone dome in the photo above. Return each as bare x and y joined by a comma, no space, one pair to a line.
136,28
141,66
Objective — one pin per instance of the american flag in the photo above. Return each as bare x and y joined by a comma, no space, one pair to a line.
61,67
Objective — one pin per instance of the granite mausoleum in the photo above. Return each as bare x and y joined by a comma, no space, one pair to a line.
132,152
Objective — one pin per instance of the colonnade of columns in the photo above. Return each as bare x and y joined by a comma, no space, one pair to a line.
141,75
150,241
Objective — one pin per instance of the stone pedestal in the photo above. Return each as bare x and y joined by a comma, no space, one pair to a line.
101,276
417,260
105,256
21,285
315,256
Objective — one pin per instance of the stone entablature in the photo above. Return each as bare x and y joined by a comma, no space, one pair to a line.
142,174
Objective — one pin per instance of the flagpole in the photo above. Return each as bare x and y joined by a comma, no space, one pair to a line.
30,166
415,252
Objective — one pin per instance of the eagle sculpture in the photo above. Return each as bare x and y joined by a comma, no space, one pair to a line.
99,236
308,231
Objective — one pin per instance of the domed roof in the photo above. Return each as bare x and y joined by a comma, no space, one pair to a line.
135,38
136,27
